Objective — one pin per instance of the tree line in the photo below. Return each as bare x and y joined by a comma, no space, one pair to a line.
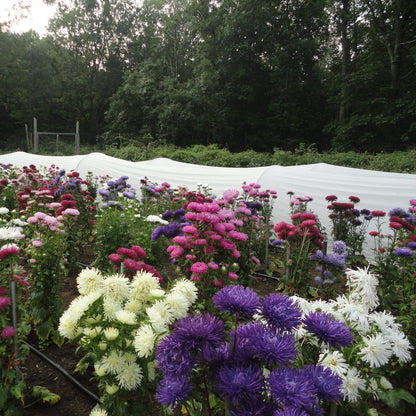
240,74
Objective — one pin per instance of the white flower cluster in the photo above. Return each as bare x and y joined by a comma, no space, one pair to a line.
377,336
121,321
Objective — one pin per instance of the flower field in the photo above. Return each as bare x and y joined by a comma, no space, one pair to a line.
178,301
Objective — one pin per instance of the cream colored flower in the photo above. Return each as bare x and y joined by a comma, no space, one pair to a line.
144,341
116,287
89,280
130,377
111,333
126,317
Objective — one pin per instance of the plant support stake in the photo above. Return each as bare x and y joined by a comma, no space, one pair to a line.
14,322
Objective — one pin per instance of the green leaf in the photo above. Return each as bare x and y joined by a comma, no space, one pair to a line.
45,395
393,397
43,330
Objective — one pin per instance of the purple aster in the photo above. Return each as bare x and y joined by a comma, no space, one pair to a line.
290,411
172,358
265,343
318,280
335,259
237,300
403,252
173,390
339,247
179,213
411,245
327,383
317,255
157,232
129,194
278,242
328,329
240,384
327,274
365,211
280,311
171,230
292,387
167,214
199,331
398,212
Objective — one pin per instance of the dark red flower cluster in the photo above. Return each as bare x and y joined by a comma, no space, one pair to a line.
131,258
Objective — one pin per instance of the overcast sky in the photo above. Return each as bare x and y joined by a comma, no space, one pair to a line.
37,20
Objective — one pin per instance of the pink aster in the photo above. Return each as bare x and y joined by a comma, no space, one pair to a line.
199,268
396,225
232,275
213,266
32,220
175,251
236,235
227,244
190,257
40,215
180,239
244,210
115,258
8,251
4,301
190,229
139,251
230,194
71,211
378,213
122,251
7,332
308,223
36,243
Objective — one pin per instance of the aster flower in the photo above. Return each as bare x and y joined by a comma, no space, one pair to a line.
400,345
280,311
113,363
325,327
130,377
172,390
89,280
144,341
292,387
160,316
199,331
98,411
335,361
236,299
327,383
403,252
111,333
267,344
240,383
290,411
116,287
7,332
199,268
376,350
352,383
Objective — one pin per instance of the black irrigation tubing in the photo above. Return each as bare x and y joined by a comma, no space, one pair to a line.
266,275
64,372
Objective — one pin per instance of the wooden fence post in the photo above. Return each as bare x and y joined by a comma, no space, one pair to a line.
35,135
77,138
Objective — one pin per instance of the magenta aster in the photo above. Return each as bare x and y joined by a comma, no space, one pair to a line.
199,268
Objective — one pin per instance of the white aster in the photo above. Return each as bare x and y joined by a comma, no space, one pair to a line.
321,306
178,304
160,316
111,388
126,317
355,315
384,320
99,370
18,222
113,363
151,370
377,350
187,288
363,287
156,218
130,377
11,233
373,388
400,345
4,210
142,285
116,287
68,324
97,411
335,361
134,306
144,341
89,280
352,384
111,333
303,304
111,307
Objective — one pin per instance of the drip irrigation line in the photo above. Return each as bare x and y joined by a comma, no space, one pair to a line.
64,372
266,275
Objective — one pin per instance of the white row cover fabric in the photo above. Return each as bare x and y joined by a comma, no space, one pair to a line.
377,190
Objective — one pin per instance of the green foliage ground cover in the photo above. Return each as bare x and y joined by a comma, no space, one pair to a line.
213,155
